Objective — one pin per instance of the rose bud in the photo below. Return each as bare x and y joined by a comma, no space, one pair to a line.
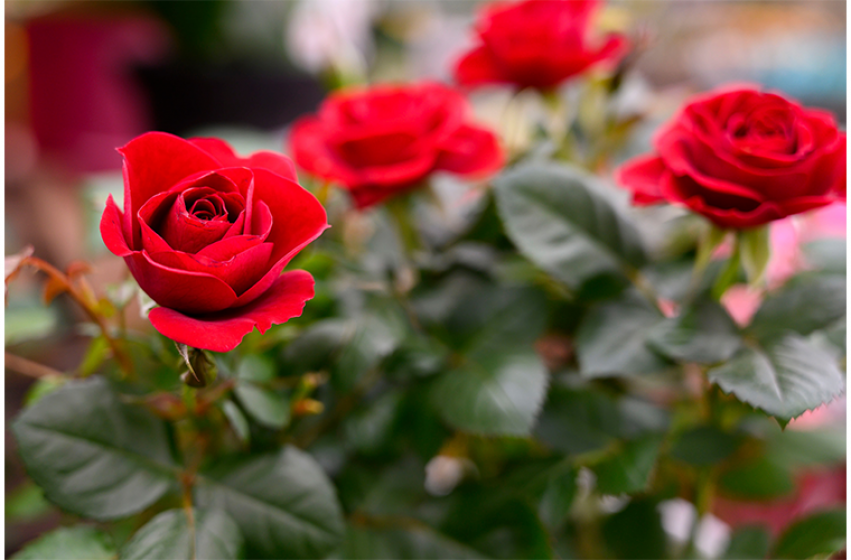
742,158
384,140
206,235
537,44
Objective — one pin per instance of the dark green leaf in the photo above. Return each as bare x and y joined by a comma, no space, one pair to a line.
703,333
237,420
748,543
755,251
415,541
612,339
705,445
315,349
168,535
565,222
69,543
94,455
636,531
628,470
761,479
575,421
497,394
264,405
822,533
283,504
373,337
802,307
557,497
786,379
500,384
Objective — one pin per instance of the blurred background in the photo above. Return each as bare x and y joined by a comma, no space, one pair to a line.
84,77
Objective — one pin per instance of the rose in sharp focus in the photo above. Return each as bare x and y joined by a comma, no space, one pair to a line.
206,235
536,43
742,158
384,140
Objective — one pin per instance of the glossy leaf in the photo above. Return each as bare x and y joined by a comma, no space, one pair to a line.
283,504
612,339
565,222
94,455
69,543
822,533
801,307
170,535
264,405
785,379
703,333
629,469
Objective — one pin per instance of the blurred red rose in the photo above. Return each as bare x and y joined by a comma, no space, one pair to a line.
742,158
384,140
206,234
536,43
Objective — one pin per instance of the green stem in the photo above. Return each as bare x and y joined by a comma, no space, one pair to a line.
728,275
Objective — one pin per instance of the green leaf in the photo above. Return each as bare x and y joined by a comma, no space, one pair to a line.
755,251
257,369
499,394
705,445
822,533
412,542
315,349
26,502
612,339
283,504
237,420
500,384
97,352
636,531
94,455
564,221
814,302
264,405
169,535
559,490
823,446
43,386
704,333
748,543
785,379
761,479
69,543
371,338
628,470
575,421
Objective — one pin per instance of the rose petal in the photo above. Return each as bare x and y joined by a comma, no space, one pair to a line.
478,67
111,229
223,331
222,151
190,292
470,151
643,176
240,271
153,163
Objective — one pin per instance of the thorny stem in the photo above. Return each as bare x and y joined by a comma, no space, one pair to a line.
84,297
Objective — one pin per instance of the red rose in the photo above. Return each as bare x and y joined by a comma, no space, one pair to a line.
206,235
742,158
384,140
536,43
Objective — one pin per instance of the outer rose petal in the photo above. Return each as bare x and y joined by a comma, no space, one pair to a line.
643,176
478,67
222,151
223,331
111,229
471,151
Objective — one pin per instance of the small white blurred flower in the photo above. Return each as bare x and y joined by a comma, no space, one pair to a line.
443,473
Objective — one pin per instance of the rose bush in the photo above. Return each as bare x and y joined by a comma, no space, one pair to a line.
742,158
536,43
384,140
206,235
